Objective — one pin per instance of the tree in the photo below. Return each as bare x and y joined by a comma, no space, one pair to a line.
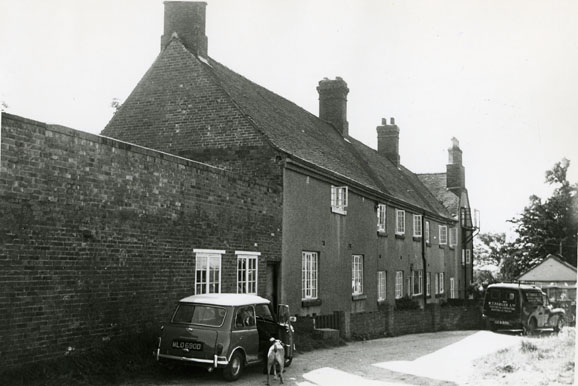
490,249
548,226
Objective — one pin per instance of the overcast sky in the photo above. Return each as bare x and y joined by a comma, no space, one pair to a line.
501,76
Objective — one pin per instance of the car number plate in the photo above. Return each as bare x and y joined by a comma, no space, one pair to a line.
502,322
187,345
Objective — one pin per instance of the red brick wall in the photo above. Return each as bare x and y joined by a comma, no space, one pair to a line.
97,236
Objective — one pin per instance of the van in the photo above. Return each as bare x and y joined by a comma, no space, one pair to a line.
520,307
224,331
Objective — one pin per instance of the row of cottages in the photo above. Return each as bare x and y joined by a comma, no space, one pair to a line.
358,228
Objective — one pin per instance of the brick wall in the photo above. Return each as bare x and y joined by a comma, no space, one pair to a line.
434,317
97,236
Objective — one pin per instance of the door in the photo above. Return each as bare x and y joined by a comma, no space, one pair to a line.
272,283
245,333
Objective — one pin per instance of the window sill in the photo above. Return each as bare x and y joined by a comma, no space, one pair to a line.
358,297
442,246
382,233
417,295
400,236
416,238
310,302
337,210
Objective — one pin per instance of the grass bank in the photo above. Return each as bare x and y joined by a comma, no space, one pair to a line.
546,359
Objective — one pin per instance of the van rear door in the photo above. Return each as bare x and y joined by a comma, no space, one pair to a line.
502,305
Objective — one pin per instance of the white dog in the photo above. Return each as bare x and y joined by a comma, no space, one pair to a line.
276,355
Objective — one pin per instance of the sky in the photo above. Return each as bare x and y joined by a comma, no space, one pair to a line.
500,76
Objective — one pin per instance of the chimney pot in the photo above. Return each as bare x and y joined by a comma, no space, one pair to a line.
388,141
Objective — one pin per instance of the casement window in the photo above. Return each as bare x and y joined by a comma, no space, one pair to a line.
247,263
381,285
453,236
442,283
356,274
452,288
417,282
417,231
427,234
468,256
399,284
443,234
437,283
207,271
428,284
339,199
309,272
381,217
399,221
463,257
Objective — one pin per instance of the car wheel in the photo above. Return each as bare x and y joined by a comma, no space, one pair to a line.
235,367
559,325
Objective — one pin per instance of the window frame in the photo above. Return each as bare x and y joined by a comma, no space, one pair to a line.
309,275
468,256
452,288
398,284
428,284
417,279
208,255
453,236
356,274
339,202
443,234
442,283
382,218
381,286
427,232
400,222
248,257
417,228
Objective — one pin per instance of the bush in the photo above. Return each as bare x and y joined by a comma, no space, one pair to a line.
406,303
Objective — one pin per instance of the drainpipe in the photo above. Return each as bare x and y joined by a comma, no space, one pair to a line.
424,278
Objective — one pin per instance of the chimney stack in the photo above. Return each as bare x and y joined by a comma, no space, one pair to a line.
333,103
455,172
388,140
187,20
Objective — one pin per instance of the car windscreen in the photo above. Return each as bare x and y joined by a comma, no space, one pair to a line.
202,314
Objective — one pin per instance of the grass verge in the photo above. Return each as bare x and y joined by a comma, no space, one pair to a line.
546,359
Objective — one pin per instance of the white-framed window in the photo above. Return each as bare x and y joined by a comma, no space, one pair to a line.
399,284
247,270
381,285
417,282
339,199
463,256
427,233
452,288
468,256
399,221
443,234
428,284
453,236
356,274
207,271
442,283
417,231
381,218
309,272
437,283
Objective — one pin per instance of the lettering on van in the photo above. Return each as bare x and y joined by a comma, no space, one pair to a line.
502,306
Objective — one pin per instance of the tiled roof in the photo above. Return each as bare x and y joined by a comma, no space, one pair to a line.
183,102
436,183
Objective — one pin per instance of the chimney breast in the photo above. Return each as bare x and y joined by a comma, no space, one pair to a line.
388,140
455,172
187,20
333,103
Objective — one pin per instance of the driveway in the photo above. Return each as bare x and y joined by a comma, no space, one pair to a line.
442,358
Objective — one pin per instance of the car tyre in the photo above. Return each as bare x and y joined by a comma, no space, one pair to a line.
235,367
530,328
